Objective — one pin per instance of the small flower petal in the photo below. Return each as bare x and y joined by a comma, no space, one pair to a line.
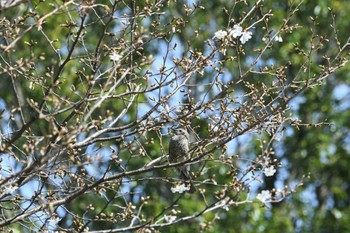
245,37
236,31
10,189
224,205
115,57
278,38
220,35
54,220
170,218
264,196
180,188
269,171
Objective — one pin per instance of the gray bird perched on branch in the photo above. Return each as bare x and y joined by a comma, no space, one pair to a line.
179,151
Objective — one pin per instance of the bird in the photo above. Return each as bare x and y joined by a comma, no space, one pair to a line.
179,151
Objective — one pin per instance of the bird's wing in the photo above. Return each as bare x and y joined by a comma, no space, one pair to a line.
171,144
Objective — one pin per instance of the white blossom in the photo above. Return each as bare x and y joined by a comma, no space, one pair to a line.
278,38
269,171
214,128
220,35
115,57
170,218
224,205
245,37
54,220
264,196
10,189
180,188
236,31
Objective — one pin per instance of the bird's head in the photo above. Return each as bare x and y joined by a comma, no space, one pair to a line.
181,132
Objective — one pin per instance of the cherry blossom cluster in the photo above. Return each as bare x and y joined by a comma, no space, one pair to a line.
233,33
